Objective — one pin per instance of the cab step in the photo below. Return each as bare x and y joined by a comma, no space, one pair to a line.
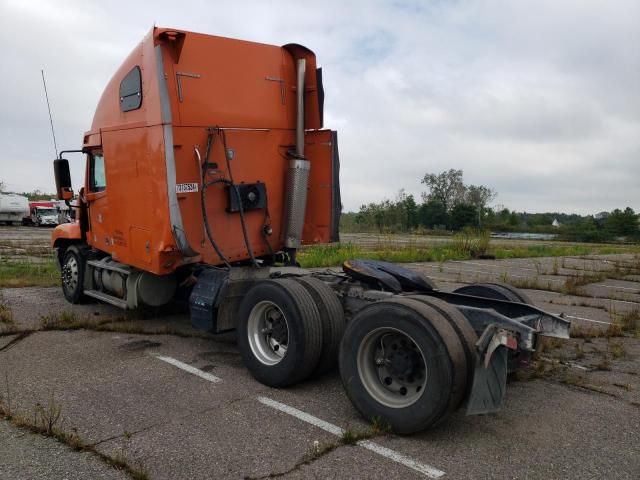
105,297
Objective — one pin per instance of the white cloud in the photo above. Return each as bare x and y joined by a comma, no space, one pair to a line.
540,100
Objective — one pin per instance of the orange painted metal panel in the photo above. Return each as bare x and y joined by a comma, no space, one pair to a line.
65,231
191,82
317,225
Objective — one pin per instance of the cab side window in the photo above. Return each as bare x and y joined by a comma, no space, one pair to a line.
98,179
131,90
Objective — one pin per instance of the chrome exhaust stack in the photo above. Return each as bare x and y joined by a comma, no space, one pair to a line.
297,178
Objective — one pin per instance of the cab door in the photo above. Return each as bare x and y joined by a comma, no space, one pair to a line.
96,199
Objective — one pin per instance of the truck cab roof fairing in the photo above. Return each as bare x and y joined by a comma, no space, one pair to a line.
175,215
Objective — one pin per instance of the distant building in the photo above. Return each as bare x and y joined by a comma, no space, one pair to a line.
556,223
601,216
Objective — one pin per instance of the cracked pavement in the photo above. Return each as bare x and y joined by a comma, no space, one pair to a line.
125,401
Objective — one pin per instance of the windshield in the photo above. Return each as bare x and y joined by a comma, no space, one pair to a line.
47,211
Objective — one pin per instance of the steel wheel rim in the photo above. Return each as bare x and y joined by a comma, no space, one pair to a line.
395,377
70,274
268,333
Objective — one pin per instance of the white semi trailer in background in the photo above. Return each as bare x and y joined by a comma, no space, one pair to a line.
13,208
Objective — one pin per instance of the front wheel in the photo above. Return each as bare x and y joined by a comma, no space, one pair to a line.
72,276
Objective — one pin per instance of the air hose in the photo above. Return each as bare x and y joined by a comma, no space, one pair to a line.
230,183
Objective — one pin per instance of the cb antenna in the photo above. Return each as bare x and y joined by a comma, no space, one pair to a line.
46,95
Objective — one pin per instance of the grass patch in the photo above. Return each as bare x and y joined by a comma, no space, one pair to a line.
587,332
377,428
464,246
6,315
616,349
622,324
580,381
547,344
29,274
68,320
335,254
624,386
530,251
472,243
629,321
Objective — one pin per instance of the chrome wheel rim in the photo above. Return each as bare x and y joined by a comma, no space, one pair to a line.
392,367
70,273
268,333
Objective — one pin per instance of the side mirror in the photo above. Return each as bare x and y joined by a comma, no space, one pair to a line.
63,179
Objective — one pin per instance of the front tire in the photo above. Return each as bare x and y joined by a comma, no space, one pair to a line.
72,275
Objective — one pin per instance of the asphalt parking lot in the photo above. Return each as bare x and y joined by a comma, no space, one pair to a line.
182,406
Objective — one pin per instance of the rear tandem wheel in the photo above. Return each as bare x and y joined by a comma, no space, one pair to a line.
333,321
462,327
279,332
502,291
498,291
401,361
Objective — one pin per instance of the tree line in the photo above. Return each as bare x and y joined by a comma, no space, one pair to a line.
448,204
34,195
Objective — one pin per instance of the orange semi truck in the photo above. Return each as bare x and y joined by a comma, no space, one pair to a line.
207,167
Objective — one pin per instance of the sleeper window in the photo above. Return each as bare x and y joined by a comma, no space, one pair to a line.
131,90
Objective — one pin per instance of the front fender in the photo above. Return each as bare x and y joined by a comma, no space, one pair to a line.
64,233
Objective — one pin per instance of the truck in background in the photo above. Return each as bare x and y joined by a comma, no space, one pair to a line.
42,213
65,214
13,208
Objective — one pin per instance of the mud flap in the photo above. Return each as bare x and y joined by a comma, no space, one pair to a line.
489,384
490,375
205,298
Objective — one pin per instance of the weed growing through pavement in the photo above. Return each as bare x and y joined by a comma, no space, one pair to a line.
47,420
630,321
6,315
349,436
580,381
586,332
68,320
616,349
603,365
624,386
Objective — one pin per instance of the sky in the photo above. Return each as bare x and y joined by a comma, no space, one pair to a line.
539,100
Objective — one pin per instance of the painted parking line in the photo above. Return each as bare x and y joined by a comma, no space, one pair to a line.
188,368
408,462
583,319
635,289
